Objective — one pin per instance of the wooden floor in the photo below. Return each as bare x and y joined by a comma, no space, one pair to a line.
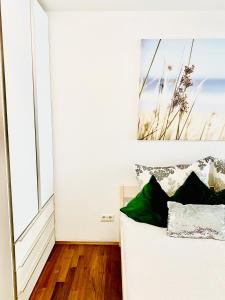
80,272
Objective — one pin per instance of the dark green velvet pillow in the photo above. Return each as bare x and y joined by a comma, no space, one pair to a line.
149,206
193,191
218,198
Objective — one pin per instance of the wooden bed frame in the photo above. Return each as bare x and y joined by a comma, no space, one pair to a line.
127,192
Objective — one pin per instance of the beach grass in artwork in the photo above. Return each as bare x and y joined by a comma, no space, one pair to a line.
182,89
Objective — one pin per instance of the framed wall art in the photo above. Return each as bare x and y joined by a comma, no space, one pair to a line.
182,89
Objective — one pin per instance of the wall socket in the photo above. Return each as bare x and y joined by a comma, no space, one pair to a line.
107,218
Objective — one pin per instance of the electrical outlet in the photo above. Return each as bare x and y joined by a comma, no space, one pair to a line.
107,218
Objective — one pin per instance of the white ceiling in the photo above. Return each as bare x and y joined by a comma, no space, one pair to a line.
132,5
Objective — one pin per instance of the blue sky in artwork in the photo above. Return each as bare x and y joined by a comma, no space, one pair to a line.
208,56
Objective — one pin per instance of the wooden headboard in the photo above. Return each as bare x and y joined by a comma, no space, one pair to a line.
127,193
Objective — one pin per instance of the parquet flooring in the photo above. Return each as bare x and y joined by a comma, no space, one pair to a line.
81,272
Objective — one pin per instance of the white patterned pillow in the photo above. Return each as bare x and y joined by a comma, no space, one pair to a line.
172,177
218,174
196,221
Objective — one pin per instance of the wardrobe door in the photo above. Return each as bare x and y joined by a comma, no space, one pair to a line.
42,101
20,111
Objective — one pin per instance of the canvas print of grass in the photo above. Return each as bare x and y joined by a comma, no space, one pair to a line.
182,89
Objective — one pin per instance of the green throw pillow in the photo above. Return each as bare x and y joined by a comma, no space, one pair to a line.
149,206
193,191
218,198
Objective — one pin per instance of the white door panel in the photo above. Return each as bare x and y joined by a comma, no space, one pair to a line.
43,101
20,111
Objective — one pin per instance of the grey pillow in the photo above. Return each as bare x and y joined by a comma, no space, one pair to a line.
196,221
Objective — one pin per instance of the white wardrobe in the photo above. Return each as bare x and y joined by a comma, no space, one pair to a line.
25,50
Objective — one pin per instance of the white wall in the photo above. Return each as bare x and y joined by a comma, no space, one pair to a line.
95,69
